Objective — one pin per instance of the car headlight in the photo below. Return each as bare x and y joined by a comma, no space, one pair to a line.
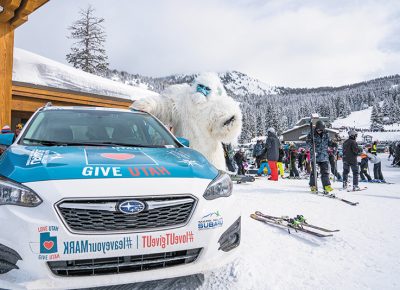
17,194
221,186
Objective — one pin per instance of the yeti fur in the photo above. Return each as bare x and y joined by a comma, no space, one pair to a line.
205,121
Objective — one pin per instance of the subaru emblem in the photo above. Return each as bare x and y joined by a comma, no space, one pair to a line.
131,206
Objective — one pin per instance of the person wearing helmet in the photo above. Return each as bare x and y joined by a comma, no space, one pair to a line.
272,146
350,153
321,143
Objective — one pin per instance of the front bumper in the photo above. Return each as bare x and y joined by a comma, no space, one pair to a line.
39,236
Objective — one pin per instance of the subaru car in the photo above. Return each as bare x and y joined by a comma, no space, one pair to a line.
98,196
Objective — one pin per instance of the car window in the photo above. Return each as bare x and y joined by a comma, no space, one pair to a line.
97,126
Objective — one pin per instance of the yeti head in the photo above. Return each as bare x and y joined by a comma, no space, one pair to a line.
217,112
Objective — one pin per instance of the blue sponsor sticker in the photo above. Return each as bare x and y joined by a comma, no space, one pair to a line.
48,243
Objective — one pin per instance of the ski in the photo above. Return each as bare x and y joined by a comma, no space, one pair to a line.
287,226
242,178
333,196
360,189
303,223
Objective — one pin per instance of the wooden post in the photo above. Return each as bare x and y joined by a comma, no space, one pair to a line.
6,63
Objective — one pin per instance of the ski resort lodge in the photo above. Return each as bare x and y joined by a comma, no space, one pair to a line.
18,100
300,131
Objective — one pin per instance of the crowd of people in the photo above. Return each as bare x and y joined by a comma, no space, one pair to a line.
273,158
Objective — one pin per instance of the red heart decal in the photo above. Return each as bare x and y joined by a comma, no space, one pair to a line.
48,245
118,156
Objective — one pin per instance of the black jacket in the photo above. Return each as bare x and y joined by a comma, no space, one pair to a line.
350,151
272,144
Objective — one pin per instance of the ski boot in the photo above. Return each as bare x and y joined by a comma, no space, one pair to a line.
356,188
344,184
300,218
294,223
313,189
327,189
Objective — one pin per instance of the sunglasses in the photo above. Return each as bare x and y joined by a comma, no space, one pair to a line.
203,90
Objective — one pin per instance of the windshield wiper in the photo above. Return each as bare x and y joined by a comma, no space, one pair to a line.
59,143
132,145
46,142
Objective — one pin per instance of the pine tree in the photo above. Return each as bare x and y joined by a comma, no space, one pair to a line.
88,53
376,118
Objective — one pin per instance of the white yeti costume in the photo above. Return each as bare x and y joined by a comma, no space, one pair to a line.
205,121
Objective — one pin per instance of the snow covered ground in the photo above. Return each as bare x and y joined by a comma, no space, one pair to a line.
365,254
359,119
35,69
362,120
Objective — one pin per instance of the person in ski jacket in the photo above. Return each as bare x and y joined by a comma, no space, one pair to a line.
257,152
280,161
350,153
373,149
321,143
391,151
264,167
229,156
396,159
378,176
332,154
239,159
293,157
364,169
300,158
272,145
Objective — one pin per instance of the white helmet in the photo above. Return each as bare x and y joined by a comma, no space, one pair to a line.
272,130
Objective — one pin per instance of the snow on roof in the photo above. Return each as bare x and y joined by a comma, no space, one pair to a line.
35,69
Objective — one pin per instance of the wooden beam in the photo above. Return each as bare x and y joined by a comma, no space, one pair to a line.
9,6
43,95
6,62
26,8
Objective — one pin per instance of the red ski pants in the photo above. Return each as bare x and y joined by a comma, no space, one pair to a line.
274,170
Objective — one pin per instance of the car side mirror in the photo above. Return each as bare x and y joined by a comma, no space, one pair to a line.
6,139
183,141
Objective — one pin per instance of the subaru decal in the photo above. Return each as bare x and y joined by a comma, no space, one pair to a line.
131,206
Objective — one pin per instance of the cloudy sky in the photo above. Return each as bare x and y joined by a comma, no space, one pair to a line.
281,42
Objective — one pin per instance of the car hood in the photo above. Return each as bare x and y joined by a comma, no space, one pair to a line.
38,163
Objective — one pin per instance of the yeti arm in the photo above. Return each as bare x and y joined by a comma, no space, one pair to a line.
160,106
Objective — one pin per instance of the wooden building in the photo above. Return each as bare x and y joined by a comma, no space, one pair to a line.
19,100
300,131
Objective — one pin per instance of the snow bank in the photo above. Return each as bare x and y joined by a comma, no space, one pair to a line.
35,69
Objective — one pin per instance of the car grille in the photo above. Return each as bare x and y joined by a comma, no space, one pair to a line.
93,216
125,264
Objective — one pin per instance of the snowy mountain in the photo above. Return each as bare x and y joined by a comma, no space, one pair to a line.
242,84
237,83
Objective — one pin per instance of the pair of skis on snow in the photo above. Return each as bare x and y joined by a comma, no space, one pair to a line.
297,224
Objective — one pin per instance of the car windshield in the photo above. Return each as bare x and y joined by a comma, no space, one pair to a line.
96,127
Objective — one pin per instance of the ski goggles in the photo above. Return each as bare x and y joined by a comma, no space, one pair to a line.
203,89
